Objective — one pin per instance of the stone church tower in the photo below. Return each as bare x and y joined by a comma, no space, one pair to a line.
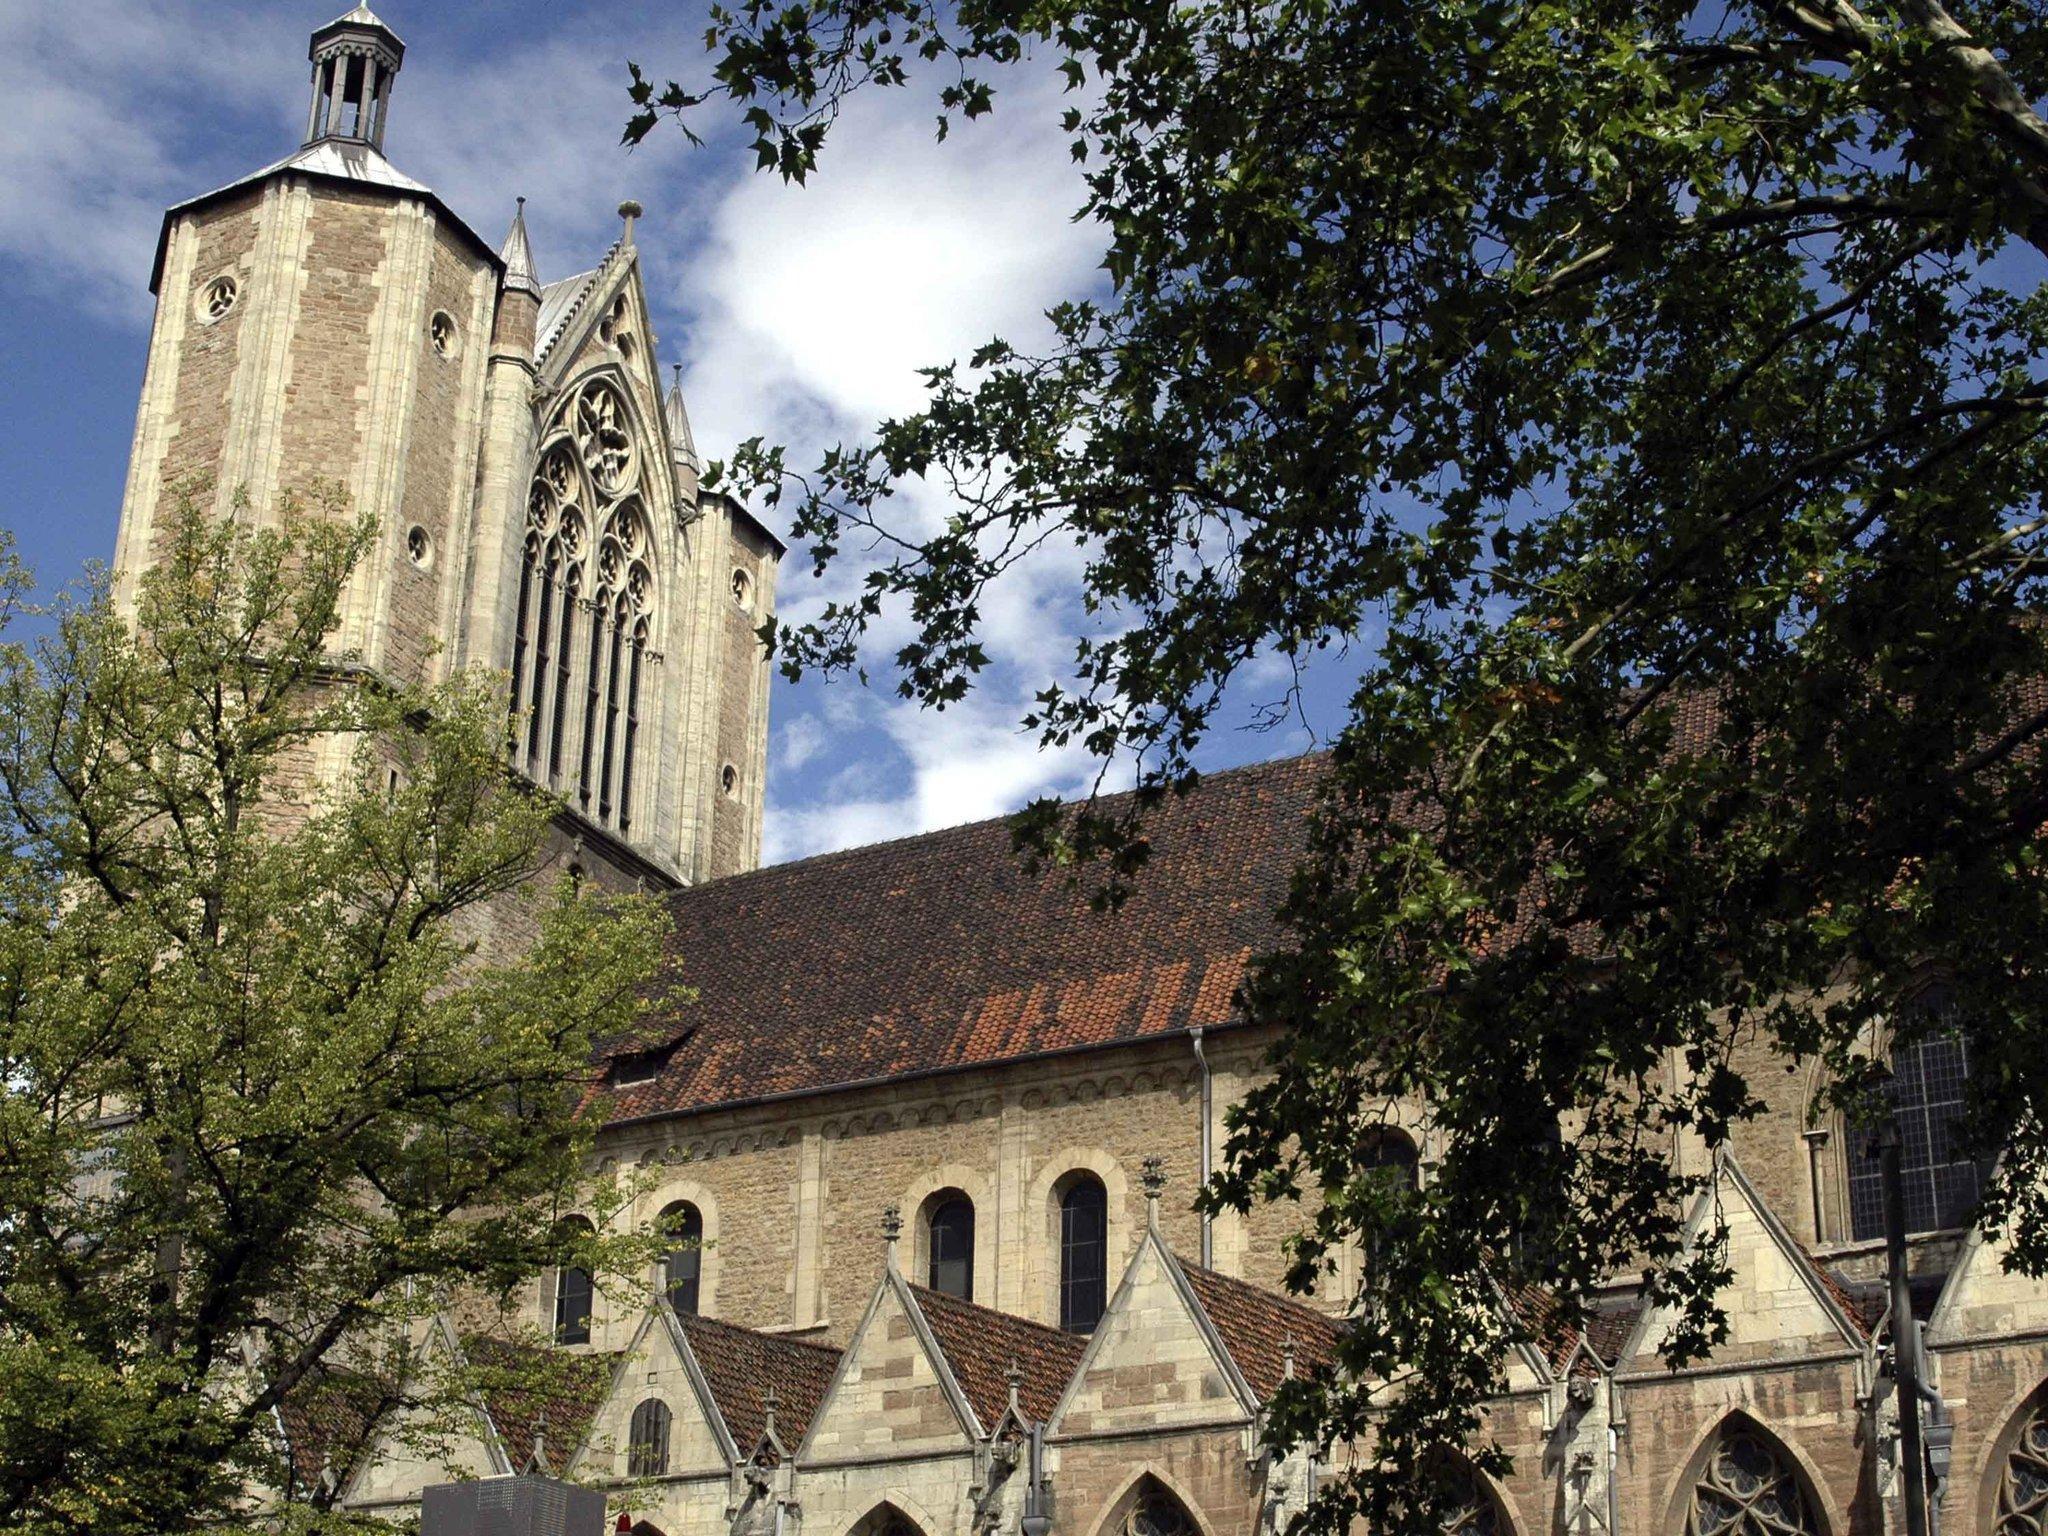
329,319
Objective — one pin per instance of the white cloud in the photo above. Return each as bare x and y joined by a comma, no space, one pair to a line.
817,304
114,110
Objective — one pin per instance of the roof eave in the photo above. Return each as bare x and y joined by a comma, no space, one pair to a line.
264,178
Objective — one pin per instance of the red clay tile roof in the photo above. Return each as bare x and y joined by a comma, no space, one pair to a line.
980,1344
942,951
1541,1316
533,1389
327,1420
740,1365
1610,1326
1260,1328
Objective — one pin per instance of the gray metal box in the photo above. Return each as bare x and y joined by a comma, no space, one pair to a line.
511,1506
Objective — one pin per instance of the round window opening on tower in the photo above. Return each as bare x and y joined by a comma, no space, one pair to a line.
742,588
441,329
217,298
729,779
419,546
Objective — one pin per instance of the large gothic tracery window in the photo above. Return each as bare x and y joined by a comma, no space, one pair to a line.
584,626
1747,1487
2023,1486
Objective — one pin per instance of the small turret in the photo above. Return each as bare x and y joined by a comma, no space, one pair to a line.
355,63
519,299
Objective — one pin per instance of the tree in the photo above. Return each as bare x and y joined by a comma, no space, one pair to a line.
269,1094
1668,381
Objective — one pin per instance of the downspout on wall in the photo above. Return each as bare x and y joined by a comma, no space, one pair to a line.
1202,1057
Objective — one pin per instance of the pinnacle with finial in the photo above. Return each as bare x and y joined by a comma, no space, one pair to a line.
1153,1179
892,1223
517,254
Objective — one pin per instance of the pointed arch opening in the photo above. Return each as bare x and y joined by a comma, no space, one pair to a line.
2017,1479
1744,1481
948,1243
1467,1505
886,1520
1149,1508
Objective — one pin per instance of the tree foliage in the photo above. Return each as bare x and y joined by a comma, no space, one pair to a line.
267,1097
1664,383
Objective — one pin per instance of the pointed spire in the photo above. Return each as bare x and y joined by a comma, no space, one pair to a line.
517,255
770,1401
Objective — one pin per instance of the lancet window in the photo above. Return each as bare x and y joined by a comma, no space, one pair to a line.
583,632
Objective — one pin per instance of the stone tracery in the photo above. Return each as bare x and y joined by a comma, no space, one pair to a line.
584,626
2023,1486
1747,1488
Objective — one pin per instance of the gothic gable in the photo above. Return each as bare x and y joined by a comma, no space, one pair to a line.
1779,1304
413,1448
657,1366
1984,1299
893,1392
1156,1361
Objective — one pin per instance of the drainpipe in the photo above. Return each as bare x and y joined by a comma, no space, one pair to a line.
1202,1057
1613,1452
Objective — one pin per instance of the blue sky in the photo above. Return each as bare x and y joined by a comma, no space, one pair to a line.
798,313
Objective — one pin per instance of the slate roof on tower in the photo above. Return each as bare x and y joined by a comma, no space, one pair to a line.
942,952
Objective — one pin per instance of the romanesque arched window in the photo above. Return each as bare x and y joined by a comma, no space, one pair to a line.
949,1239
2023,1482
1746,1486
573,1291
682,1267
647,1439
1084,1252
583,630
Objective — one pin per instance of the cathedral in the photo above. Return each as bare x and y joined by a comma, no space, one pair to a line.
931,1125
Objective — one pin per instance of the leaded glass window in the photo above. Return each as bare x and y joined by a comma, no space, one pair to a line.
1084,1254
683,1267
950,1232
2023,1490
584,629
1156,1512
1748,1488
1938,1177
647,1440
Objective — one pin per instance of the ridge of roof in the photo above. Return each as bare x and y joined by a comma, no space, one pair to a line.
559,305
